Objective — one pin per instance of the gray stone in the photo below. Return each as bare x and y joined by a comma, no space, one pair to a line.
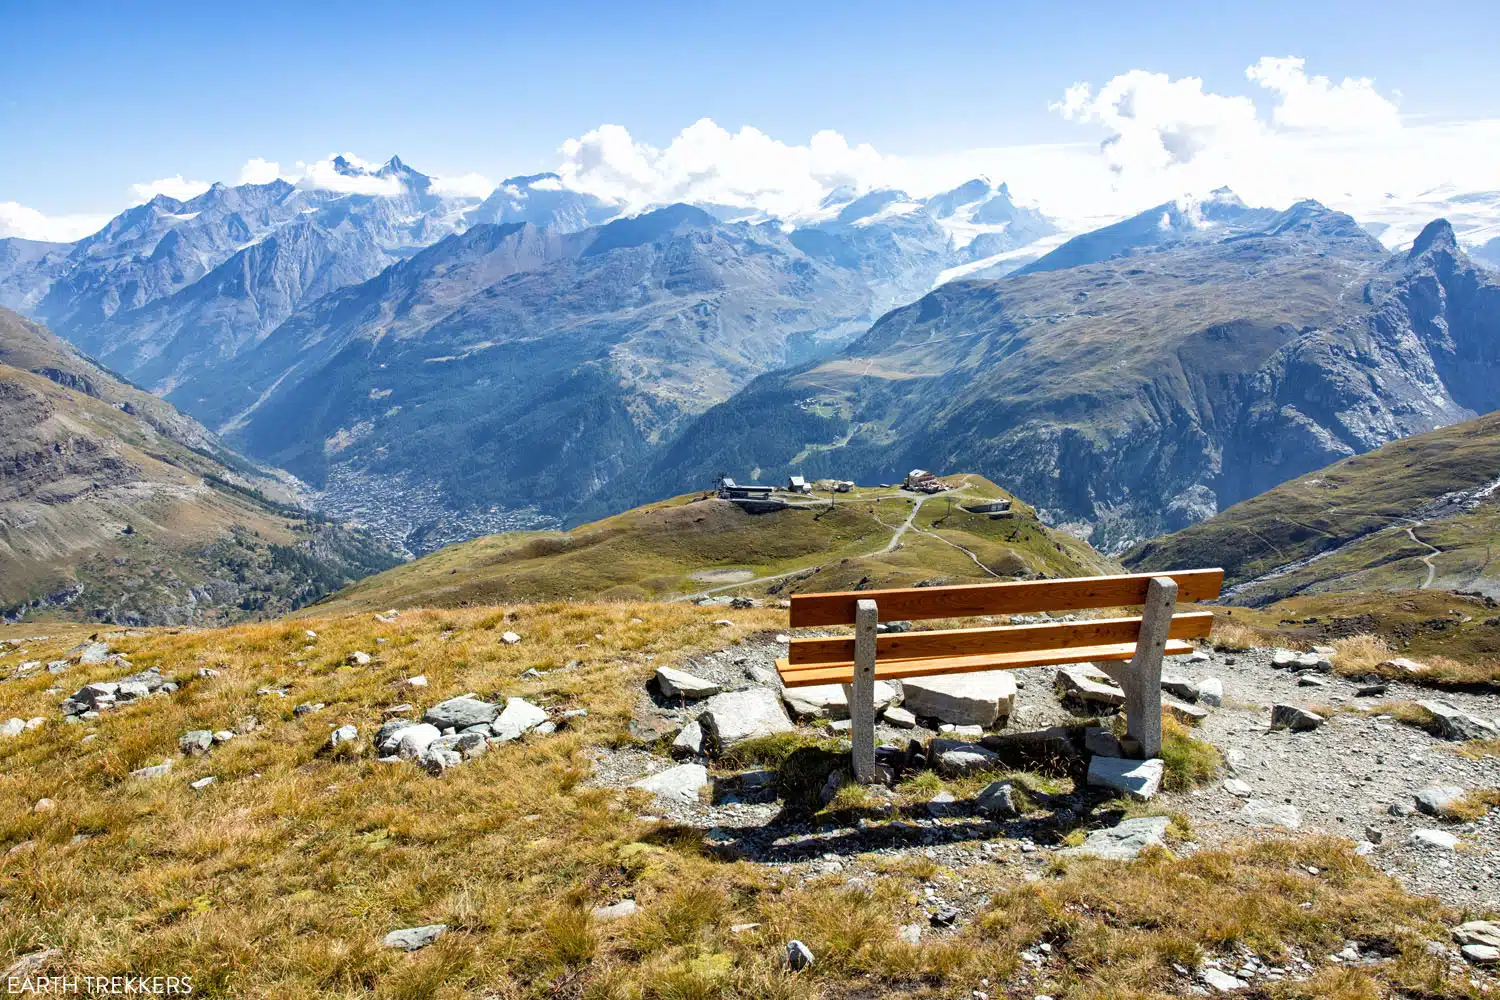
1237,788
13,727
1438,800
1311,681
910,933
386,738
196,742
158,771
735,716
1402,665
689,742
1259,812
1440,840
1294,718
829,700
202,783
415,938
900,717
520,715
976,699
1283,659
1456,724
678,684
545,728
675,784
1089,685
223,736
615,911
1180,687
761,675
1188,715
1101,742
1220,980
997,799
948,729
358,658
92,652
1124,841
341,735
1480,954
798,956
1138,779
1314,661
411,741
509,638
437,759
461,712
953,758
1485,932
939,804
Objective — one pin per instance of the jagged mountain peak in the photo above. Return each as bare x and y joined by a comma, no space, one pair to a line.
648,228
1437,235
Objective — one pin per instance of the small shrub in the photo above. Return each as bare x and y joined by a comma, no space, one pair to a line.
1232,636
1359,654
1475,804
1187,762
569,936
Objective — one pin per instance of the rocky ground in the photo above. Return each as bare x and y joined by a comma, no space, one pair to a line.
1356,775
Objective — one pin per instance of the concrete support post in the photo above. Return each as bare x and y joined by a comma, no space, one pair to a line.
861,693
1141,677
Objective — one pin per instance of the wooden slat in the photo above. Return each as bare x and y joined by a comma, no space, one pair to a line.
793,677
1005,639
915,603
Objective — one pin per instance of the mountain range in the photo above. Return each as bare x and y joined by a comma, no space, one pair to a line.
115,507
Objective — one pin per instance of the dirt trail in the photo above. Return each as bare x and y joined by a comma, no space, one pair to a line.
1427,559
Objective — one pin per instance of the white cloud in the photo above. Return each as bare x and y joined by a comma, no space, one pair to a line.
358,177
29,224
259,171
176,187
1318,103
463,186
711,164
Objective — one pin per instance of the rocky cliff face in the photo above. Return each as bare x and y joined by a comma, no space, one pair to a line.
1138,395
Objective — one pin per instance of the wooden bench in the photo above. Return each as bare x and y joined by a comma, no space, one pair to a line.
1129,649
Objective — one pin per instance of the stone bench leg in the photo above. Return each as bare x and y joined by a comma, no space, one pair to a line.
861,693
1141,677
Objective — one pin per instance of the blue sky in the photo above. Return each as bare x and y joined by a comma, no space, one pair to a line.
100,96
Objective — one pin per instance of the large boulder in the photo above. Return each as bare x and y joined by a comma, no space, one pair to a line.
461,713
1456,724
680,684
976,699
735,716
828,701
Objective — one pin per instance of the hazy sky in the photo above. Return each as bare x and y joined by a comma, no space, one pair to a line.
102,104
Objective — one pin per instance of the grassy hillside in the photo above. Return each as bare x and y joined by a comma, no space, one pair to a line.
282,877
116,508
1375,521
691,544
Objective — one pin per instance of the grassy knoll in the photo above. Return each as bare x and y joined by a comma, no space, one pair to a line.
282,878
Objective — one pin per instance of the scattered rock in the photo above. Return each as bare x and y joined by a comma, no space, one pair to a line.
829,701
1283,659
947,916
1211,691
509,638
954,758
1139,779
1456,724
1180,687
44,806
1220,980
1088,684
307,708
997,799
419,681
13,727
1294,718
1438,800
900,717
678,684
461,713
415,938
202,783
689,742
798,956
976,699
519,717
412,740
158,771
223,736
1402,665
1374,690
939,803
1125,840
1100,742
195,743
1237,788
1259,812
1311,680
341,735
27,966
89,652
1480,954
1440,840
675,784
1314,661
1485,932
1188,715
735,716
358,658
910,933
615,911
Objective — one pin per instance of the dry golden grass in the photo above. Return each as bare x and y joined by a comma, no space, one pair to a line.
1363,654
1475,804
1360,654
1235,636
1480,749
281,879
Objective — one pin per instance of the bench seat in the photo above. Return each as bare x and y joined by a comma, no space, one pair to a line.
843,673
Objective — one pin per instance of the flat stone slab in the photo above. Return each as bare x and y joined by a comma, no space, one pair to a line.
1179,686
461,713
976,699
1125,840
735,716
828,701
1439,840
900,717
1138,779
675,784
679,684
1456,724
519,716
615,911
1188,715
414,938
1294,718
1486,932
1259,812
954,758
1089,685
